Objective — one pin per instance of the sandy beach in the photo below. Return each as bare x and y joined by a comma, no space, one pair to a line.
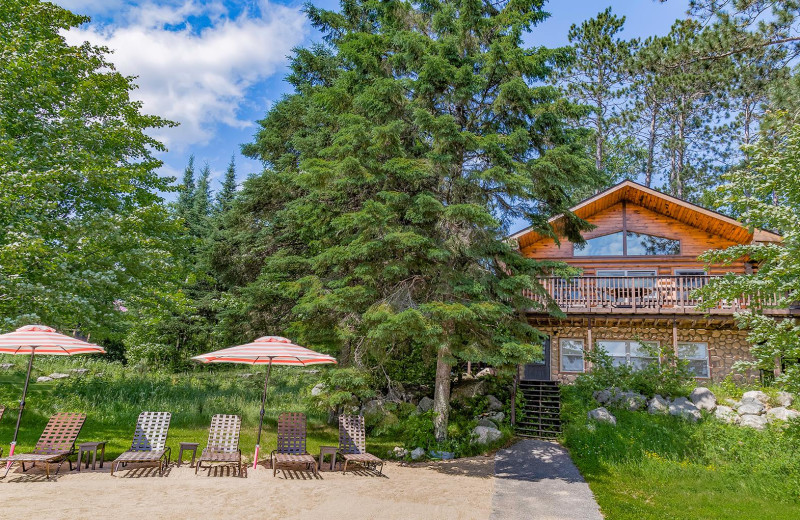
460,489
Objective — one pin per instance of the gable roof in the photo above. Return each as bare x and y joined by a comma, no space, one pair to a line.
673,207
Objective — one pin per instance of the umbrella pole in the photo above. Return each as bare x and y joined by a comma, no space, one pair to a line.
22,404
261,419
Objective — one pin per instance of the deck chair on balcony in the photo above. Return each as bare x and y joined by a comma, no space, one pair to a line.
56,444
149,442
292,443
353,444
223,442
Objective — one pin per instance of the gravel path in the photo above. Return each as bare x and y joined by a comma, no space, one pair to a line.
536,480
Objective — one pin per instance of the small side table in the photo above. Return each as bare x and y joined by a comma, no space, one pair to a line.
188,446
328,450
90,449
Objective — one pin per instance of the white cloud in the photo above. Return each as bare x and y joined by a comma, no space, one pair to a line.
196,75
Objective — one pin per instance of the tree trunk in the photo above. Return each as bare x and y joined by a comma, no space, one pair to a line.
651,148
441,394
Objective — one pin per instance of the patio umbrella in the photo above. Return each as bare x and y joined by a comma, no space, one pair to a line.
267,350
38,339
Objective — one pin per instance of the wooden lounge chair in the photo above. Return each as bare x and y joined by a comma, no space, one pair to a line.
353,444
292,443
223,442
149,442
56,444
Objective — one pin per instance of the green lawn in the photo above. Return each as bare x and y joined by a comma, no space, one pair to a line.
114,399
655,467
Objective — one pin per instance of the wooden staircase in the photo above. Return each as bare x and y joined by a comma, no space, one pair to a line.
540,415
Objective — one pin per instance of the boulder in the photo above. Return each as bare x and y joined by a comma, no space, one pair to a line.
602,415
6,366
757,422
750,407
58,375
781,414
318,389
425,404
731,402
607,396
417,453
486,422
630,401
703,398
784,399
43,379
758,395
495,405
488,371
373,407
496,418
727,414
80,371
682,407
399,452
467,389
485,435
248,375
658,405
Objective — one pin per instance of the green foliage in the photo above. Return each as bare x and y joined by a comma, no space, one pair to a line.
343,391
766,193
668,377
83,225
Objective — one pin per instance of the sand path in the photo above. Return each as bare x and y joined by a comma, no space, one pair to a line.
460,489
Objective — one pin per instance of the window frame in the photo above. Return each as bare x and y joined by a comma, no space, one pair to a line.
561,356
625,232
628,343
707,358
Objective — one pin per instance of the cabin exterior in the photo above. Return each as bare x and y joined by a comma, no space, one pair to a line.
639,268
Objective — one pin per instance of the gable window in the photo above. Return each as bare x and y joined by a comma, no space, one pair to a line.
628,243
696,354
571,355
637,354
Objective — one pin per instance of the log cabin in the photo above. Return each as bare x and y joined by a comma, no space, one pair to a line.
638,270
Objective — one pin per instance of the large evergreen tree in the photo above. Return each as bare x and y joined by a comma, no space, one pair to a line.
82,225
416,133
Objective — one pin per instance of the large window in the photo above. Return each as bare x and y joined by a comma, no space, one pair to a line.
571,355
697,356
637,354
630,244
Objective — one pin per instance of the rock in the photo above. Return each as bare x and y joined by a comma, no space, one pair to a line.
703,398
731,402
495,405
602,415
682,407
58,375
753,421
607,396
425,404
727,414
485,435
249,375
497,418
318,389
417,453
630,400
781,414
43,379
80,371
6,366
444,455
658,405
467,389
750,407
486,422
758,395
399,452
373,407
784,399
488,371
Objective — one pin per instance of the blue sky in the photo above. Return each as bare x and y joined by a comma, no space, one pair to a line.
217,66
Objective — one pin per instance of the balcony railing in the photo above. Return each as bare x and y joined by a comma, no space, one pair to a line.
638,294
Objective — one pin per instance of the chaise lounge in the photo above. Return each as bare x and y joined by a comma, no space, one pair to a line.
56,444
149,442
292,443
352,443
223,442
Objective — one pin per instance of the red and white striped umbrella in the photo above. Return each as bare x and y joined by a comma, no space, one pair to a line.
38,339
267,350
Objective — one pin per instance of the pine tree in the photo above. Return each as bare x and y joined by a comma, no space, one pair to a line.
185,202
200,219
416,133
228,190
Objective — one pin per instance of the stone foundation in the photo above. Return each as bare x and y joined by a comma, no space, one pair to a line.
725,346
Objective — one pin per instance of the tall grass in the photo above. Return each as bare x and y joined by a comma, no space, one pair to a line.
113,395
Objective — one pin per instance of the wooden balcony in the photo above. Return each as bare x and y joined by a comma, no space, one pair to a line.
643,295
